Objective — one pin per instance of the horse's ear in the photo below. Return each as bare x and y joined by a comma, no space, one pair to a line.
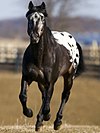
43,6
43,9
30,6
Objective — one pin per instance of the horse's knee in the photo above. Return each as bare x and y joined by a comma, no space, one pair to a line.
46,109
36,75
33,73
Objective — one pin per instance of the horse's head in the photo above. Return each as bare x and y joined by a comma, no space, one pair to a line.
36,21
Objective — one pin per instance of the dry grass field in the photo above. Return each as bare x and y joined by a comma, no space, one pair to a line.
49,129
83,107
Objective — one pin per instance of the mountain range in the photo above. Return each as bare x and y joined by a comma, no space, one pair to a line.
17,28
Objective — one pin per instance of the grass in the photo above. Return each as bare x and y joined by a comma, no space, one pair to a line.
49,129
83,107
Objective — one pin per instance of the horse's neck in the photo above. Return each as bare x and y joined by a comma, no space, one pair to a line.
45,44
42,47
47,38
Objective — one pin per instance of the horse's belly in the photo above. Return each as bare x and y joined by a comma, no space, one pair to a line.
68,41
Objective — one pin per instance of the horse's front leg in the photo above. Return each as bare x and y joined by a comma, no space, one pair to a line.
68,81
46,109
23,98
40,116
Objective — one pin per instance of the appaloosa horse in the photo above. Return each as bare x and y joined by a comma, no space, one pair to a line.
49,55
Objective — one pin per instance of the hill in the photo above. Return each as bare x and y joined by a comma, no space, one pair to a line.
13,28
18,28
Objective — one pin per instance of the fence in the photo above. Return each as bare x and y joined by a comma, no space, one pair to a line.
92,54
11,53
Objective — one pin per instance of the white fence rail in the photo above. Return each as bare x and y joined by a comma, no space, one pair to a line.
92,54
11,52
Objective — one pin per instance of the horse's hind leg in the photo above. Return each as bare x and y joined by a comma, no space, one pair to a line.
68,81
23,98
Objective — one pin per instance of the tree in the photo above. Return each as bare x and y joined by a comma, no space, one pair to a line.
60,9
56,8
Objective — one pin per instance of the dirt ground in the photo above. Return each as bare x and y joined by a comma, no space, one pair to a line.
49,129
83,107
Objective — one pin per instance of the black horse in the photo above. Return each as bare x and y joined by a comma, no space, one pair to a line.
49,55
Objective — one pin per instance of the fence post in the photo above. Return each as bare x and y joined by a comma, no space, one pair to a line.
94,52
18,60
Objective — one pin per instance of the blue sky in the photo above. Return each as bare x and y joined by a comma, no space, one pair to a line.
13,9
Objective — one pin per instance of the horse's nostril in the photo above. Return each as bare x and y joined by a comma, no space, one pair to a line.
36,16
38,19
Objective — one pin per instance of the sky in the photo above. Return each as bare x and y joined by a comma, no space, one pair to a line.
89,8
17,8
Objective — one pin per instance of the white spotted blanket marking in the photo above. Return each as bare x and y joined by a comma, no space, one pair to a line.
68,41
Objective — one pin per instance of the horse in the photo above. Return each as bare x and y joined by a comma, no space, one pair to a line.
49,55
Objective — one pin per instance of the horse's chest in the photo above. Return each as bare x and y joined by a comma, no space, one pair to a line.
67,40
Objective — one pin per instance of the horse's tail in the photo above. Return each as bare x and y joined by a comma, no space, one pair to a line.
81,66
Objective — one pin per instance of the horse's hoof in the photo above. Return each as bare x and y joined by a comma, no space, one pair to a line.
38,126
28,113
46,117
57,125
